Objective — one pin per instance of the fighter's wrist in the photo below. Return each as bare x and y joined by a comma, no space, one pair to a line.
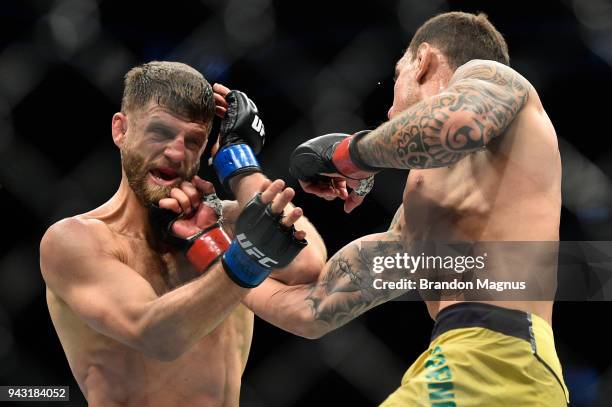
233,160
206,247
247,182
242,269
356,157
348,161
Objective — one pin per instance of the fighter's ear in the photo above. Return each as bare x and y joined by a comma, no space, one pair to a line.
119,128
424,60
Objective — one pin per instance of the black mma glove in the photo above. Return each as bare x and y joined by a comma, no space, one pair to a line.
262,244
331,153
241,137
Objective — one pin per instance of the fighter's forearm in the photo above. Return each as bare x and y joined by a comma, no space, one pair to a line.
247,185
347,289
344,290
173,322
442,129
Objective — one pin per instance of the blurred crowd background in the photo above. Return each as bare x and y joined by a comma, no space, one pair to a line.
312,67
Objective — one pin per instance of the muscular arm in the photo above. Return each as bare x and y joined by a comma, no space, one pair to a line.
481,100
343,290
115,300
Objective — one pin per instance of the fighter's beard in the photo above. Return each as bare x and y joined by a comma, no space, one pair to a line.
137,173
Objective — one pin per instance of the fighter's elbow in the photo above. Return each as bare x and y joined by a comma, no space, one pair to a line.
160,343
310,328
313,333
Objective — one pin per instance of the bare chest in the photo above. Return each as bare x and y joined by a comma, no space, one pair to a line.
164,271
445,203
207,374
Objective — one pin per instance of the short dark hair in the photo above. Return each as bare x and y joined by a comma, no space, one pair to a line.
173,85
462,37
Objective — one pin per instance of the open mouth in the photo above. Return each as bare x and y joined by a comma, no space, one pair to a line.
164,175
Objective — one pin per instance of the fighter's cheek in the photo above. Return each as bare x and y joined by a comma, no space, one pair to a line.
191,165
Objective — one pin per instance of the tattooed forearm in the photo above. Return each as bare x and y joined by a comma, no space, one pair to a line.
480,102
346,290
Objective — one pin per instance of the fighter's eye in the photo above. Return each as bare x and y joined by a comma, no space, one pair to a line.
193,144
161,134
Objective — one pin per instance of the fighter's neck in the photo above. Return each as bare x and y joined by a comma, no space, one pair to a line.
124,213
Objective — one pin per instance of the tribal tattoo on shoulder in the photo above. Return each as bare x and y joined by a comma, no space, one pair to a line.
481,101
347,290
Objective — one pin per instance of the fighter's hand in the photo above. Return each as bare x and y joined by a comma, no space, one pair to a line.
359,190
279,198
335,187
265,240
186,200
242,135
220,92
338,187
329,188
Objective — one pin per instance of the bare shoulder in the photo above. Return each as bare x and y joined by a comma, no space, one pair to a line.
72,238
492,72
495,80
77,229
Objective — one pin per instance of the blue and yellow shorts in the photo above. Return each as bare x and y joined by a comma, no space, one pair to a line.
483,355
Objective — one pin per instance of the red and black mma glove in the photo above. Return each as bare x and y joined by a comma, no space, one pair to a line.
331,153
241,137
201,249
262,244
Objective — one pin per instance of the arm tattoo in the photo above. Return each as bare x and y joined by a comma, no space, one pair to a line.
346,289
482,99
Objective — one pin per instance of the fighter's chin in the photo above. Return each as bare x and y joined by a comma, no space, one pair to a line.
151,194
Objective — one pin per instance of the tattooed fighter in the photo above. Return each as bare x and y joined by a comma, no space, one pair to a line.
484,166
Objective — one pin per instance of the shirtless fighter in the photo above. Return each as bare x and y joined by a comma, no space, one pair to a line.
145,290
484,166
